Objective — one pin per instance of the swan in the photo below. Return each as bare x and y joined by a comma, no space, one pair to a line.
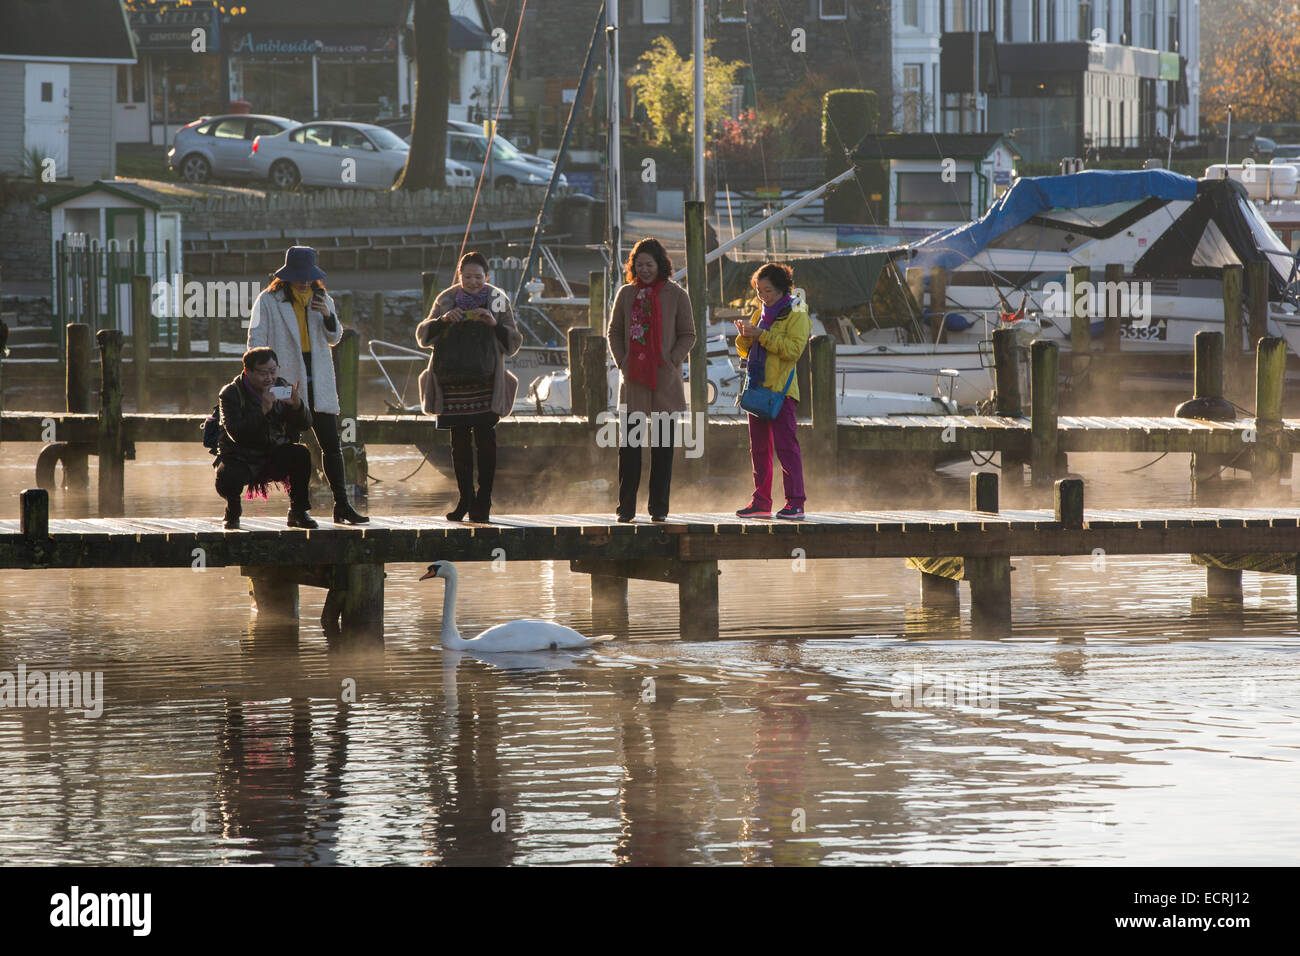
511,636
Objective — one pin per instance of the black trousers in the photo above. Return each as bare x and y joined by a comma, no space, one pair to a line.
326,429
661,474
465,439
289,463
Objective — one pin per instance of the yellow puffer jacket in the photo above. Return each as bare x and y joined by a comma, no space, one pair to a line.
785,342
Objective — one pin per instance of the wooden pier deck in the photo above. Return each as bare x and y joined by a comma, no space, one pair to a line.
349,561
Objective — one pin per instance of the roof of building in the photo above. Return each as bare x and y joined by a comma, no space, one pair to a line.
934,146
66,30
156,194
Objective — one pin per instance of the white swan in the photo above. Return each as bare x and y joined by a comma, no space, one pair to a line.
511,636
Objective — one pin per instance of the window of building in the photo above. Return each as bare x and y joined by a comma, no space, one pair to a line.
911,13
130,83
1051,21
956,16
913,97
1173,42
1126,24
732,11
1036,14
1008,15
1085,19
834,9
925,197
1147,25
656,11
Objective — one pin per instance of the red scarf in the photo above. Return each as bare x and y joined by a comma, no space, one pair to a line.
645,335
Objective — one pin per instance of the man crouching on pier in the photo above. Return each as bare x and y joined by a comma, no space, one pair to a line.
261,418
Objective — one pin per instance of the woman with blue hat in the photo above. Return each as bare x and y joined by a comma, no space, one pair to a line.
295,316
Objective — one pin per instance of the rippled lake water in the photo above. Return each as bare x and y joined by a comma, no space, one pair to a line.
1126,720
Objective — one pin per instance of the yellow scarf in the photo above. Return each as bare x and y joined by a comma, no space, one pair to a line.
300,303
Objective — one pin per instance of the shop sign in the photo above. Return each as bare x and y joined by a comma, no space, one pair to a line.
282,42
173,30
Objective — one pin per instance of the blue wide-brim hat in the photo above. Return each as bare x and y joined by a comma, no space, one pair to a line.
300,265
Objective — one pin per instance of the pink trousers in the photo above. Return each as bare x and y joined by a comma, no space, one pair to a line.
764,434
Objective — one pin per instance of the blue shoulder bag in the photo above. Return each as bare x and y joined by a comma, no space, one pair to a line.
763,402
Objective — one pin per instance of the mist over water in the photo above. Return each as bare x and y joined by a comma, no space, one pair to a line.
1132,715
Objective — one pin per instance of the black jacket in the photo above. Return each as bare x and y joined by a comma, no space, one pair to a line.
249,436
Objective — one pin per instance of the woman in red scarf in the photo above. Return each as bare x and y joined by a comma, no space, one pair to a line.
651,331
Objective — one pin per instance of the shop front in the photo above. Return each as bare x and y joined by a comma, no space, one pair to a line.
177,78
313,72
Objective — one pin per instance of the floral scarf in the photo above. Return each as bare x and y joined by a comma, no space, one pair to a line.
757,359
646,335
479,300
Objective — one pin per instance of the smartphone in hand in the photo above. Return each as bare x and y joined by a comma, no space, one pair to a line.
281,392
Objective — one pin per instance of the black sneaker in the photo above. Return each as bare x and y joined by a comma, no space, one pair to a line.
300,519
754,511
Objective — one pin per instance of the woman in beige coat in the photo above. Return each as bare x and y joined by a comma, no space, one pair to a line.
651,331
471,409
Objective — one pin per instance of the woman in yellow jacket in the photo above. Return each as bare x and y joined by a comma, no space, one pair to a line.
769,347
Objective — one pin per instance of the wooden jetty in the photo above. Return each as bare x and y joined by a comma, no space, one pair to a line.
975,545
1042,439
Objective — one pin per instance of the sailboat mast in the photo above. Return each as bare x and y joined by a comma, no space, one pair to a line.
614,104
698,192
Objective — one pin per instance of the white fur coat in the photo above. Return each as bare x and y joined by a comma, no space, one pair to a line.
273,323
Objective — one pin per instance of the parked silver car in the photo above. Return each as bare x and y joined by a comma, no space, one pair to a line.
335,153
509,167
218,146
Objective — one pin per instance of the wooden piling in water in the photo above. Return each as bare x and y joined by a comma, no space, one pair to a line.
594,382
577,380
34,514
360,598
1067,501
989,576
141,337
78,399
1270,371
1257,300
1043,403
984,492
697,284
1232,331
1080,330
1223,584
1207,398
1008,402
112,446
825,419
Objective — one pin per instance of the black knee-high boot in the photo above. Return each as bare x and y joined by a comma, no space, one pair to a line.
485,442
462,462
327,436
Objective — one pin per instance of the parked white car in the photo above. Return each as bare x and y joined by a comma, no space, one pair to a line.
339,154
219,146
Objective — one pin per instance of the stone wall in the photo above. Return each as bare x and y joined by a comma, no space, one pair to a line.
24,237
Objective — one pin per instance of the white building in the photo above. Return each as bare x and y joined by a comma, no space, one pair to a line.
1070,75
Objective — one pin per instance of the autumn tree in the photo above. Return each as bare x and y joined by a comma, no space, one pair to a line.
426,163
1250,60
664,84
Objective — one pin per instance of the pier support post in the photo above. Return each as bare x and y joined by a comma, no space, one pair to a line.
697,600
141,337
1067,495
1006,367
112,444
1207,402
990,594
34,514
609,603
938,303
596,301
577,378
347,359
274,594
1270,370
1257,299
1223,584
825,420
354,604
938,591
595,380
1045,438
